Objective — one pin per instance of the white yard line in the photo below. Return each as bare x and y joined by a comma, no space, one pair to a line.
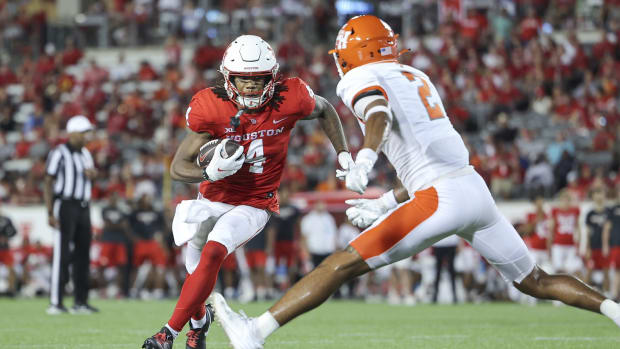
577,339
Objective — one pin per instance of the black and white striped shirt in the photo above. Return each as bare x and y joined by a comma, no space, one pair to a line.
67,166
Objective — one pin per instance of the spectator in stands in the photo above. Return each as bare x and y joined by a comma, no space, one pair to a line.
539,176
147,225
562,169
502,26
120,71
596,222
7,76
557,148
529,26
504,133
146,72
319,233
191,17
71,55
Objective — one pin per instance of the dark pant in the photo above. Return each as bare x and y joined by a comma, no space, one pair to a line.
318,258
71,248
445,254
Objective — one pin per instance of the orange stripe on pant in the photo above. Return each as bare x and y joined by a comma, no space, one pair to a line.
397,225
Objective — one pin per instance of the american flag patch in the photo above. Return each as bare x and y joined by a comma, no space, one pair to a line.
384,51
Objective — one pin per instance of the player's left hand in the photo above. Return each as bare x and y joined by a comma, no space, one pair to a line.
360,217
366,211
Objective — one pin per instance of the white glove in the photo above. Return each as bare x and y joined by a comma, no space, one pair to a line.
220,167
357,175
346,162
366,211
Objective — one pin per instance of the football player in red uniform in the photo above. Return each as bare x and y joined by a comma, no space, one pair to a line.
565,237
537,232
257,110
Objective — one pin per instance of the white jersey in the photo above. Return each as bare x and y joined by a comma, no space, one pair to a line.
422,144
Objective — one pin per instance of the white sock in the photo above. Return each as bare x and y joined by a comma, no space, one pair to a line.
174,333
611,309
266,324
199,323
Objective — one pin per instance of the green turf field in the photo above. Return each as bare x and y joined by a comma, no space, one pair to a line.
125,324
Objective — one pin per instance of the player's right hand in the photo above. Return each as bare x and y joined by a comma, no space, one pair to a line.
220,167
52,221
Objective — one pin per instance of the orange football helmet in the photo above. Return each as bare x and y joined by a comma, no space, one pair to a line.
362,40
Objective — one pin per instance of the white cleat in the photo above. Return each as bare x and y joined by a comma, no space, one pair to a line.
240,329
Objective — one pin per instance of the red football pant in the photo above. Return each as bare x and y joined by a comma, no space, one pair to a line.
198,286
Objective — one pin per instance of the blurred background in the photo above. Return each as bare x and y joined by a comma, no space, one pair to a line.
531,85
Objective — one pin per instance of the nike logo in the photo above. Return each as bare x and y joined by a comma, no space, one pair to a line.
278,121
203,157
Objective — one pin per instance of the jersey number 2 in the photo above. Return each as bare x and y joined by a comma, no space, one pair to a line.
431,101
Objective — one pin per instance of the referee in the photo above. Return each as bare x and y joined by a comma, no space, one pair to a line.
69,171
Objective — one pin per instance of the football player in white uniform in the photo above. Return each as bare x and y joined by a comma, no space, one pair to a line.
401,114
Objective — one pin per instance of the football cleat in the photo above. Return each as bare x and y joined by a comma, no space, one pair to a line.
56,310
196,337
160,340
240,329
83,309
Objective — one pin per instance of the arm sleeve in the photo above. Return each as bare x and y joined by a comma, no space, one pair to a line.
197,116
357,85
54,159
360,106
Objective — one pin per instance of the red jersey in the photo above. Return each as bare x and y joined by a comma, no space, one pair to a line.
565,222
538,239
263,134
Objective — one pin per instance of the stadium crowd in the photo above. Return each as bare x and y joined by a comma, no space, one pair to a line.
531,86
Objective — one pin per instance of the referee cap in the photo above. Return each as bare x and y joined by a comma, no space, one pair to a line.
79,123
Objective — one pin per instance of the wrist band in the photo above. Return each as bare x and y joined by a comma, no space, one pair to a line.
389,199
378,109
366,154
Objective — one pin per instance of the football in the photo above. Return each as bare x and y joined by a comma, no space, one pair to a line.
206,151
